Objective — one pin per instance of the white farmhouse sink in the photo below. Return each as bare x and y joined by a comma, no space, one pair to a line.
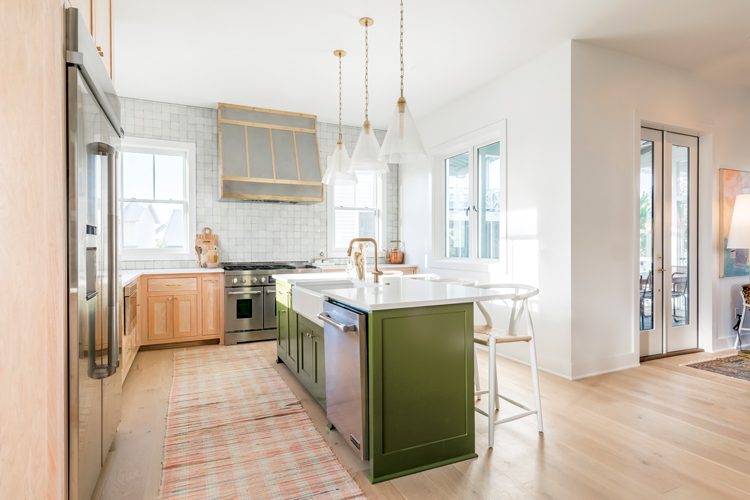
308,301
307,298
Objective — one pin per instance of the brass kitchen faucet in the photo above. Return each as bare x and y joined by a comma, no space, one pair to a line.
377,272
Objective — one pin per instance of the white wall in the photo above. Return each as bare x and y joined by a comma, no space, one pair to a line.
535,101
612,93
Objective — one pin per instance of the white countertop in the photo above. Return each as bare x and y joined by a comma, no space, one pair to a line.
328,265
402,293
129,275
293,279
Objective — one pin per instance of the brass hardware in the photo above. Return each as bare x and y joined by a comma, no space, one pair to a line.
172,284
401,51
377,272
660,270
401,104
367,22
340,53
99,49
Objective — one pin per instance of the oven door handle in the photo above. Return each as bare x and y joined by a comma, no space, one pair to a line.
253,292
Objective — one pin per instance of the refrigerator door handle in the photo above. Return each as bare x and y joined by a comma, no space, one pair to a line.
113,351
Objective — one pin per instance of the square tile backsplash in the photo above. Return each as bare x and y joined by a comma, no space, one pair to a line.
248,231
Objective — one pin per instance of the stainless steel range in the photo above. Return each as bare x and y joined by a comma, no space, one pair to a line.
250,298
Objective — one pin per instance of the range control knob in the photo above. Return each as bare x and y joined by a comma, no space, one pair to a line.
243,280
263,280
234,281
255,280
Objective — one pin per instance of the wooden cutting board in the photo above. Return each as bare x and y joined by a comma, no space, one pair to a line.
207,248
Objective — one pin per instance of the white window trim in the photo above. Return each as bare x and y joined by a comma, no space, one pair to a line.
468,142
150,145
381,196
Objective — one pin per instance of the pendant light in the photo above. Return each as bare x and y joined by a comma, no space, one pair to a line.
366,152
338,169
402,142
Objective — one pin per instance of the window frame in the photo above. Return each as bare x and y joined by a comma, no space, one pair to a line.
157,146
381,214
469,143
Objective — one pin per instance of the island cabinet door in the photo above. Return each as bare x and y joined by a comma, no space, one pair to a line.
283,306
293,352
421,394
319,370
282,337
306,353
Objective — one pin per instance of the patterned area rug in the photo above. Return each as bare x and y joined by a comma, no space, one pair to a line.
235,430
736,365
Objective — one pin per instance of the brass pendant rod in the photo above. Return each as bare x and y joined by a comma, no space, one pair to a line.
340,54
401,48
367,76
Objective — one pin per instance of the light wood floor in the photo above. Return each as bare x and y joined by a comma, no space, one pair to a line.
660,430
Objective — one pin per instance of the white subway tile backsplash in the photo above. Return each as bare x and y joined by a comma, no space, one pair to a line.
248,231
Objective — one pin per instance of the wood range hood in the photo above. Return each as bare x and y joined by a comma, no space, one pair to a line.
268,155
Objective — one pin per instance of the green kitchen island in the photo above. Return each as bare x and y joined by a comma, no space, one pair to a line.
419,389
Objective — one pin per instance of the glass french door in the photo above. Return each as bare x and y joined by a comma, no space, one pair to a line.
668,277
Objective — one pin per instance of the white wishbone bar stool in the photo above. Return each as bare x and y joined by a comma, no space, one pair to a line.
490,336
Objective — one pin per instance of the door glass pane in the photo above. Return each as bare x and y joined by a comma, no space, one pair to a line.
244,309
490,201
680,235
646,290
457,193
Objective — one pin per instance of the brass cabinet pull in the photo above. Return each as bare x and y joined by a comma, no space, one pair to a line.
99,49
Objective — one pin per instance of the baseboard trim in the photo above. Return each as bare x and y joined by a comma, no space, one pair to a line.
670,354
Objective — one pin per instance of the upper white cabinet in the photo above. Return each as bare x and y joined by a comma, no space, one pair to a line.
97,14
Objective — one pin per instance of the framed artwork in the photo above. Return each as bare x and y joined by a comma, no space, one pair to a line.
731,183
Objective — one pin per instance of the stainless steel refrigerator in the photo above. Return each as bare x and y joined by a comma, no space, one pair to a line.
94,382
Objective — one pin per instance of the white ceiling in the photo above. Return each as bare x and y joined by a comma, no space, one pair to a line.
278,53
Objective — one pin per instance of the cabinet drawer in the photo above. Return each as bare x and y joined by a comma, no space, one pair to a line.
172,285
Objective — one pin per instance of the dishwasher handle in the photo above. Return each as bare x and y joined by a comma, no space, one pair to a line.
326,318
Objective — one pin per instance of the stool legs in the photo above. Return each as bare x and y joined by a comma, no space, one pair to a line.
477,385
492,392
535,383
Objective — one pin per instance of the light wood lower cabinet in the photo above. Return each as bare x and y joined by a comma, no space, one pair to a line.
184,308
212,298
185,315
160,318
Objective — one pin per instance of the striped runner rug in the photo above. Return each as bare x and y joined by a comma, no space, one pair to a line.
235,430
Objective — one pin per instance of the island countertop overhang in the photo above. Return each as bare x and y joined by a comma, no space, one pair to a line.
394,292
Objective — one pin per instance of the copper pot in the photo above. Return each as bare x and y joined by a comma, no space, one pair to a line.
396,253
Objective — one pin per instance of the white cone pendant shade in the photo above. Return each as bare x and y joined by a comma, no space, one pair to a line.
402,142
365,157
338,167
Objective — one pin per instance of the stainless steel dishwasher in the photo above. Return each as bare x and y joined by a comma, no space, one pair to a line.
345,335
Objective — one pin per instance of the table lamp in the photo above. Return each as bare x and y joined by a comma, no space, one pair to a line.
739,237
